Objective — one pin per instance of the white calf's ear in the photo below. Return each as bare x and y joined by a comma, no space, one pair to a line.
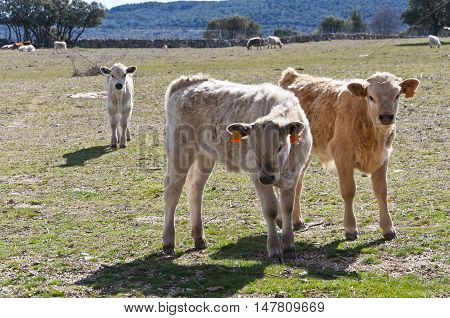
131,70
409,87
243,129
105,70
294,130
357,89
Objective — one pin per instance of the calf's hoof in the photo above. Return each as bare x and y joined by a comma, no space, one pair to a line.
299,226
351,236
289,253
123,146
113,146
200,243
390,235
276,254
128,138
169,249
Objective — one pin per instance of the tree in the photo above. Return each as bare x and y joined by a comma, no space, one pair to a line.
332,24
280,32
430,15
385,21
43,21
357,22
235,27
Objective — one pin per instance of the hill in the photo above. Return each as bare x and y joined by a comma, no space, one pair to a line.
187,19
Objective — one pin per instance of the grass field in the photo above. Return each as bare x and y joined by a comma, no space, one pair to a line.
79,220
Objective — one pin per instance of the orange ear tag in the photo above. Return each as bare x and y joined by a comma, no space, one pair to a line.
236,136
294,138
409,94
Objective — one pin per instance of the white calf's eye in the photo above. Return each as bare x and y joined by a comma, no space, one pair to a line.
279,148
371,98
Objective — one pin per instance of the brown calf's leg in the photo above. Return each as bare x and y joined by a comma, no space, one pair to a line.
348,190
196,180
379,185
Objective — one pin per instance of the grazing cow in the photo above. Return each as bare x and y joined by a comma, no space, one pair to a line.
434,41
57,46
201,113
119,103
27,48
19,44
273,41
353,124
258,42
8,47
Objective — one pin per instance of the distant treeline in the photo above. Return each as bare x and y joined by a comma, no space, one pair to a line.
43,21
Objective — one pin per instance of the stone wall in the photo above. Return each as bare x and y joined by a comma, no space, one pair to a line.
201,43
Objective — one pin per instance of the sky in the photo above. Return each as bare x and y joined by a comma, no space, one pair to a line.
113,3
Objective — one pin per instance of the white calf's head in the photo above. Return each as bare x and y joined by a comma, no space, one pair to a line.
382,91
271,143
118,74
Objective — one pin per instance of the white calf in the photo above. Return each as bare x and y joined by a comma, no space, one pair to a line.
270,138
57,46
434,41
119,87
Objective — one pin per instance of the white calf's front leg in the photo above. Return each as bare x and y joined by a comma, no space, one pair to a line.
114,122
287,198
124,122
269,204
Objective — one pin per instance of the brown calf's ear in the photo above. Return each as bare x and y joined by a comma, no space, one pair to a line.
105,70
409,87
357,89
131,70
238,130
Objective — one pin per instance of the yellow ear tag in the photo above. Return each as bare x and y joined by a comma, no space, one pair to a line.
294,138
236,136
409,94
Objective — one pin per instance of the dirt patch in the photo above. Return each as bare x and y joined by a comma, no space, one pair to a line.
91,71
420,265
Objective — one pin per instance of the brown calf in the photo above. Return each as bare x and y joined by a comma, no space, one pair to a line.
353,124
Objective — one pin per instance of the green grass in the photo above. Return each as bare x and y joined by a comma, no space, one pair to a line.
80,220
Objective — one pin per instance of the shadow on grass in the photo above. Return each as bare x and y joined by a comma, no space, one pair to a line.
162,276
79,157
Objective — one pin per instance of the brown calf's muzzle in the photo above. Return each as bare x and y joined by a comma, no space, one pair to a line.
386,119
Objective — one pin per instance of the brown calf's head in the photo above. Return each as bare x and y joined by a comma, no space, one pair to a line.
382,92
270,142
118,74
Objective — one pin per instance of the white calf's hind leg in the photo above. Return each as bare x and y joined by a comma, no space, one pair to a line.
196,180
173,185
128,134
